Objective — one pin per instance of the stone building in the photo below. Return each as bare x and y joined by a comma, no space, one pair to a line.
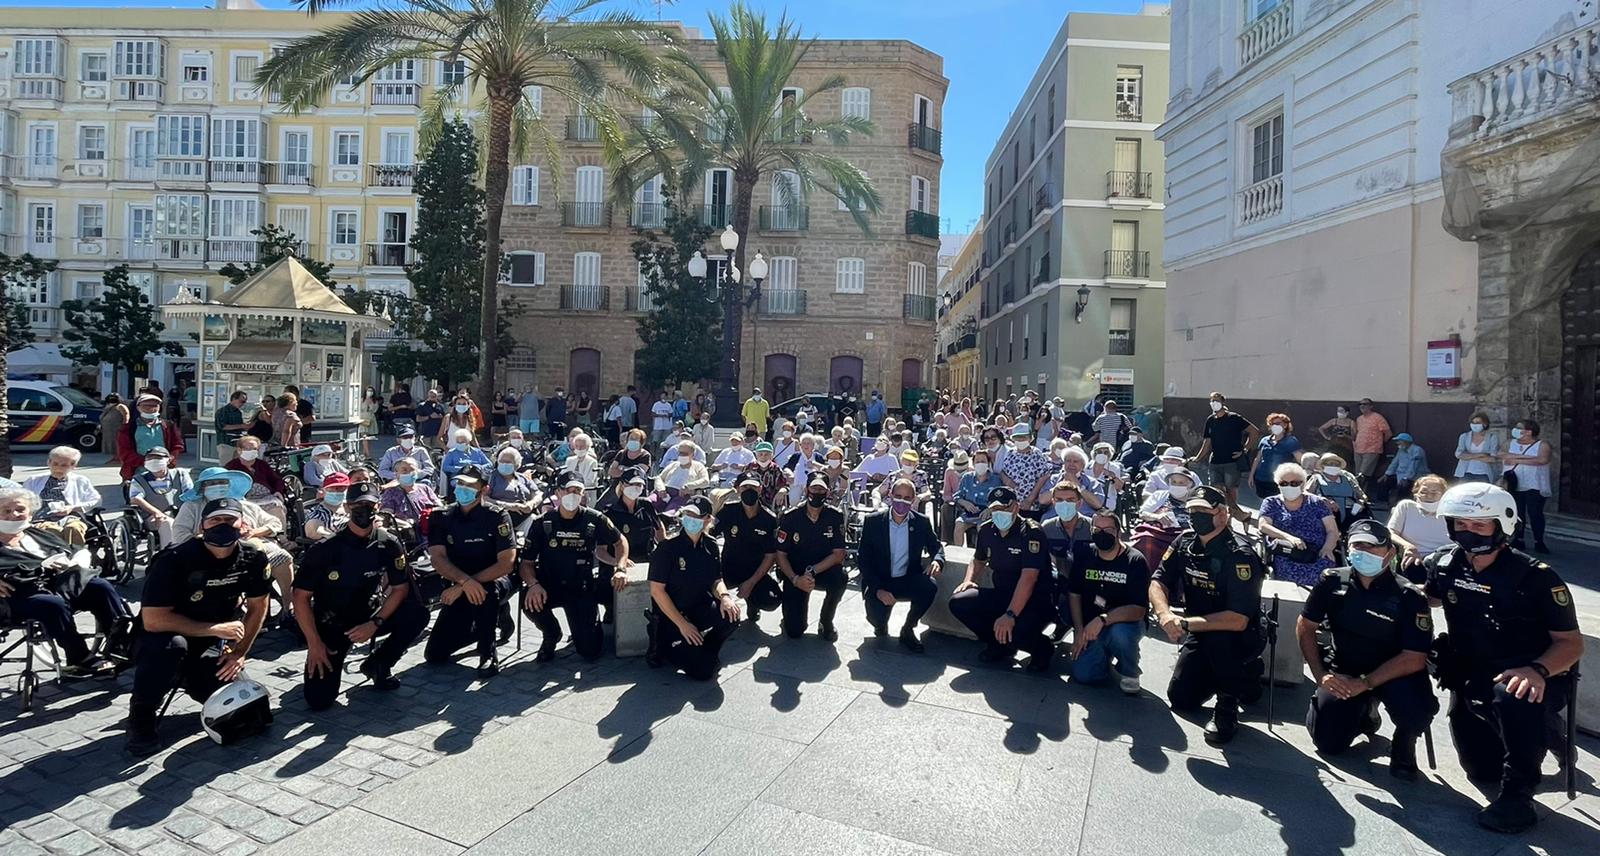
957,357
841,310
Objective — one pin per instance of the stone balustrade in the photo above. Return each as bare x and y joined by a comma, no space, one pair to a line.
1545,81
1266,32
1261,200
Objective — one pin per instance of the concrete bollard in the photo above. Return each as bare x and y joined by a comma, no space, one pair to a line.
956,561
628,622
1291,666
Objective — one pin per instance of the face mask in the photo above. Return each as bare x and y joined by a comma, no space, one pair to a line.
1333,472
880,448
835,463
12,527
908,469
249,456
363,515
757,396
1020,445
466,495
1477,427
692,525
462,408
516,444
1291,492
1516,433
1203,524
685,460
225,535
1342,413
901,507
981,469
571,501
632,491
149,417
1277,430
1066,510
407,479
157,466
1366,564
1477,544
333,499
816,500
1003,520
1430,507
324,464
1104,540
505,469
407,444
633,445
788,434
216,491
1102,459
1180,492
1216,406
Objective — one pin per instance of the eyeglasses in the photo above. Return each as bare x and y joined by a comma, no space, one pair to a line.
1290,483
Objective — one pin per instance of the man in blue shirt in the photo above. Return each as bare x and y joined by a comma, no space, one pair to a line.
895,544
680,407
1409,463
877,411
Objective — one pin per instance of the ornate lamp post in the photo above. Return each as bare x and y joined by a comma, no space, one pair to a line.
727,287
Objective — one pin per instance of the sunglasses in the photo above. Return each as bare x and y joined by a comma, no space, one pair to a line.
1290,483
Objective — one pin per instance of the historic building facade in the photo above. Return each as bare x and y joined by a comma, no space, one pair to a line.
957,355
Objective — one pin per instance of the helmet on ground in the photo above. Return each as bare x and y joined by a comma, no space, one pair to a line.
235,711
1480,501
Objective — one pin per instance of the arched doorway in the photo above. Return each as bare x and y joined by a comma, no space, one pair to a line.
844,375
1580,389
910,374
583,372
778,377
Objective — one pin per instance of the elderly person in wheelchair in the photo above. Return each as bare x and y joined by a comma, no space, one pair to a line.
65,495
45,579
261,528
154,493
682,477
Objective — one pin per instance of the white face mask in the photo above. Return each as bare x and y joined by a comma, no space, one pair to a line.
1291,492
1277,430
516,443
1429,507
908,468
1333,472
324,464
249,455
1102,459
1180,492
834,463
981,469
571,501
407,444
157,466
1216,406
685,460
12,527
632,491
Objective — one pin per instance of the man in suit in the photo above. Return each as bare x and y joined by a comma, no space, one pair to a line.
894,544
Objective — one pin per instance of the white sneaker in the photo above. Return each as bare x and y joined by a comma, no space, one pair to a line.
1130,685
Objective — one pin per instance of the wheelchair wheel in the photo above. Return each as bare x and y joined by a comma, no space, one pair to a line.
122,547
26,684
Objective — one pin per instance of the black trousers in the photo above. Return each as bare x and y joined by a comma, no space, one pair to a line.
398,634
1335,723
462,623
580,598
54,614
1221,663
796,601
1495,732
915,587
165,660
697,661
765,596
1530,515
980,608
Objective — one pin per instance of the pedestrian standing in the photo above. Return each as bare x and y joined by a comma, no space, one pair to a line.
1527,477
1372,437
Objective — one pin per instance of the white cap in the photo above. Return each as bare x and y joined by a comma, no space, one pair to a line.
1174,453
322,449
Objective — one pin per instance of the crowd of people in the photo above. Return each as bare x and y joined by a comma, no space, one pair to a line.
1079,524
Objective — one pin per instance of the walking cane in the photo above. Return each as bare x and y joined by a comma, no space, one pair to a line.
1272,667
1572,736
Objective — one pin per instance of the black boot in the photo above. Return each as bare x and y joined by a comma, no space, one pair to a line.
1403,756
652,654
1373,720
382,679
1224,722
1511,812
142,737
1041,652
506,624
488,663
908,638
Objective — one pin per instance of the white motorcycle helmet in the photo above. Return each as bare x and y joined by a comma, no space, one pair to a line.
235,711
1480,501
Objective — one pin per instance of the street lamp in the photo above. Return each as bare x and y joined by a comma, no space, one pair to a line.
737,300
1083,303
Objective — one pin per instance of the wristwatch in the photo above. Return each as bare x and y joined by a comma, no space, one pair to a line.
1183,623
377,621
1011,615
1366,682
1540,668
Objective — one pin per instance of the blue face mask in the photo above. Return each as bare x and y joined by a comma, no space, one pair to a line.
407,479
1066,510
466,495
1003,520
633,445
692,525
1366,564
334,498
506,469
216,491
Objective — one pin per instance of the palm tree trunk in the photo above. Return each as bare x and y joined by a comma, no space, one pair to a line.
496,177
744,185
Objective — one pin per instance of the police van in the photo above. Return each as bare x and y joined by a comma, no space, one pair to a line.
52,414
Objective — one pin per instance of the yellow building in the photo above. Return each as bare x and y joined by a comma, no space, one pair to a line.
959,356
136,136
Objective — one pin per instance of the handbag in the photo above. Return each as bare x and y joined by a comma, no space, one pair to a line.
1508,479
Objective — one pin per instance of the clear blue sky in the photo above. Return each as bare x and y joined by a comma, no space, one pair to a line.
990,48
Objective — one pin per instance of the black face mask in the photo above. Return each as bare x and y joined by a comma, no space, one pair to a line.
1203,524
750,497
1477,544
1104,539
816,500
222,536
363,515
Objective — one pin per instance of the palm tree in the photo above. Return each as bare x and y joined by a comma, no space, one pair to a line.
750,127
567,47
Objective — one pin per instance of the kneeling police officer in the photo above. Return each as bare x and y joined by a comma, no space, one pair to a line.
1013,613
339,601
558,570
470,545
1381,637
1512,644
694,613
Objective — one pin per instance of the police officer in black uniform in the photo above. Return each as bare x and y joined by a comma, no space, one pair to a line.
811,552
471,547
750,548
1014,612
1382,634
1219,581
340,601
193,635
634,515
694,612
1512,644
559,570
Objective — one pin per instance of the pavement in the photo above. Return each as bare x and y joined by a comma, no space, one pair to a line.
800,747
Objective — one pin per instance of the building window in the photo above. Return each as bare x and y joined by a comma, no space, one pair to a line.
452,72
1027,326
1050,124
196,69
533,96
94,67
525,185
181,136
1129,108
917,278
850,276
34,58
526,269
92,142
234,217
1260,8
180,215
346,228
235,139
91,222
404,71
141,58
244,67
1266,149
856,103
1011,341
586,269
1044,330
347,148
1121,326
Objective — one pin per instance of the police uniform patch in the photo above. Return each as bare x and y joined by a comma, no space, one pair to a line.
333,576
625,529
1033,546
734,531
1450,595
1242,571
683,564
1424,622
1559,593
552,543
782,536
400,562
197,596
504,530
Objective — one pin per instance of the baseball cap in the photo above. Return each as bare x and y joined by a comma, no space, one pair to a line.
407,431
335,480
471,475
361,492
1174,453
700,505
763,446
158,452
321,449
146,397
225,507
1369,532
1206,498
1002,496
1021,429
816,480
1403,438
750,480
633,476
572,481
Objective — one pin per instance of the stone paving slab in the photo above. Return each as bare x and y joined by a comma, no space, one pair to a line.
351,830
773,830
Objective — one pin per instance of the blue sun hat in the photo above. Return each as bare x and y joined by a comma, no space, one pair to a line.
238,483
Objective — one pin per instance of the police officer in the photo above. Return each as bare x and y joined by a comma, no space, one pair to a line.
559,570
1014,612
694,611
811,552
1512,644
193,635
339,601
1381,637
634,515
1219,581
471,547
1108,587
750,548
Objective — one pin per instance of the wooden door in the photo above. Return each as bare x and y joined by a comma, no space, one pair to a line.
1580,389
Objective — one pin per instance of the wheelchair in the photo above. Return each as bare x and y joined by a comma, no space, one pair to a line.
32,640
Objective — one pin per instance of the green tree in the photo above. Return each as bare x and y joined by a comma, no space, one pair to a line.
752,129
16,273
681,334
575,52
120,327
273,243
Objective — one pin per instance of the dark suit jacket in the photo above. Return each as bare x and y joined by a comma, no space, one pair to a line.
874,551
